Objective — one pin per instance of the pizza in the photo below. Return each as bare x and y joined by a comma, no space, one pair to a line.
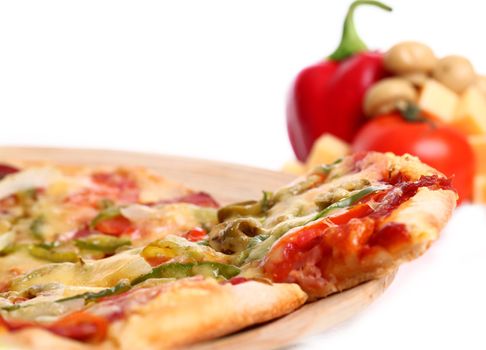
120,258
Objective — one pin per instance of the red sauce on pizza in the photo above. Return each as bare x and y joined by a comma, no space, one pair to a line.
308,255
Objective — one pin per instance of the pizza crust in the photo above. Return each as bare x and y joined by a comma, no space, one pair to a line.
197,311
189,311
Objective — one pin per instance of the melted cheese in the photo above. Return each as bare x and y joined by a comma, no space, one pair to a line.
100,273
27,179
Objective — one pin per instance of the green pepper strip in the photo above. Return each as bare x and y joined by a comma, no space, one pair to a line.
181,270
43,252
103,243
346,202
36,228
122,286
262,246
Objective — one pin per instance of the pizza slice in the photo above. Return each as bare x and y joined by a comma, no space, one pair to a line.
340,225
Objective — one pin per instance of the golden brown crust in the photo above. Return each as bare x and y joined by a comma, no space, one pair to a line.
197,311
188,312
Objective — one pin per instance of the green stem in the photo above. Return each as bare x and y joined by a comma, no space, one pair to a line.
351,43
412,114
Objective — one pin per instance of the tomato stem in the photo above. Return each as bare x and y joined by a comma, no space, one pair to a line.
411,113
351,43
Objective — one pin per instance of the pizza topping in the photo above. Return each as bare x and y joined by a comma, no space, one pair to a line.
119,185
103,243
335,194
234,235
181,250
317,254
196,234
27,180
247,208
36,227
179,270
51,253
122,286
311,181
350,200
201,199
261,244
99,273
6,241
115,186
111,222
6,169
238,280
116,226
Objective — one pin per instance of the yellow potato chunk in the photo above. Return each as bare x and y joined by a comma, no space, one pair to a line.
327,149
294,167
479,195
478,144
438,100
470,115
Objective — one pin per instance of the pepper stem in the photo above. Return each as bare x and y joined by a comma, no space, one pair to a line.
351,43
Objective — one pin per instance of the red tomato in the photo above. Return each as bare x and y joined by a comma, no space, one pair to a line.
196,234
437,145
115,226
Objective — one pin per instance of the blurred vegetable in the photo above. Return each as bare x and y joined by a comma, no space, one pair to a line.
179,270
455,72
437,145
53,254
327,97
388,94
409,57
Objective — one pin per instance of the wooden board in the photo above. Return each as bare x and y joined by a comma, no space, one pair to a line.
227,183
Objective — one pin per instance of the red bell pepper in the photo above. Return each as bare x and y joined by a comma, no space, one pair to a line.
327,97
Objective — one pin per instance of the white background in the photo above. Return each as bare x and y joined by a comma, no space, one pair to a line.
209,79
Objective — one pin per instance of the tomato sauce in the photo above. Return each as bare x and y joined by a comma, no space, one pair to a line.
310,255
115,226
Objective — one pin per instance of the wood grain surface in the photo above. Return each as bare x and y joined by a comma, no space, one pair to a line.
227,183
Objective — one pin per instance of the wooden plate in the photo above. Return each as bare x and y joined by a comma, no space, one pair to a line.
227,183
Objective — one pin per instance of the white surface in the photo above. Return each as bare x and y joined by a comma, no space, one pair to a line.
208,79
